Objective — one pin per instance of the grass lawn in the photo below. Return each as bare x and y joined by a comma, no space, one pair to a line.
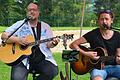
61,65
59,28
5,70
2,28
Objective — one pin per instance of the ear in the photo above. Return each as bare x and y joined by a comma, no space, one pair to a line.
39,13
112,21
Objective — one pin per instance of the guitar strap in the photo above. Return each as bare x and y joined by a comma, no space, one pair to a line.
36,56
37,37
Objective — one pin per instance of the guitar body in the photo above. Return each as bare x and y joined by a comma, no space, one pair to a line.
85,64
12,53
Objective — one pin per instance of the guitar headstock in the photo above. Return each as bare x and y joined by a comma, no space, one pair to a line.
67,36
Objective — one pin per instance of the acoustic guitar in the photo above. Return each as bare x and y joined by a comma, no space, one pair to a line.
81,64
12,53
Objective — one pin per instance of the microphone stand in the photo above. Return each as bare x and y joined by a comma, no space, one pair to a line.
110,28
115,28
4,41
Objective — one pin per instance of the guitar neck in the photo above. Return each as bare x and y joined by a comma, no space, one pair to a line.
64,37
46,40
42,41
107,58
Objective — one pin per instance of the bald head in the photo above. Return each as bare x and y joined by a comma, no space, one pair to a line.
33,5
33,10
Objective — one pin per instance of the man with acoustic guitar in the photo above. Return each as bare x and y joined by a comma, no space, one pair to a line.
41,59
105,37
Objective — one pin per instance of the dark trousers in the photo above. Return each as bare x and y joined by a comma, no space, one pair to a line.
46,69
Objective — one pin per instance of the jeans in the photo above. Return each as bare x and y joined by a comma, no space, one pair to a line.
108,71
46,69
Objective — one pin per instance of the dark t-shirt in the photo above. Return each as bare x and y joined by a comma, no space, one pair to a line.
95,39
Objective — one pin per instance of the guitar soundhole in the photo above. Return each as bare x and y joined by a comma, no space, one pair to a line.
23,47
100,52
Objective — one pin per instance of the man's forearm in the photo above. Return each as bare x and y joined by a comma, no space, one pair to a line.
12,39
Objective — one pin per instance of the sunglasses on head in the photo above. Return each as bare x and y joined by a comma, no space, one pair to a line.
106,11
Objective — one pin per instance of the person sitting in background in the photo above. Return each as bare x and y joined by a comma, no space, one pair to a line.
106,38
45,65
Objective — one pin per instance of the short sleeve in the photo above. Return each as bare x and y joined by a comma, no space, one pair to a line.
119,40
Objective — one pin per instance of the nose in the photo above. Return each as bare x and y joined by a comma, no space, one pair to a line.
31,11
104,20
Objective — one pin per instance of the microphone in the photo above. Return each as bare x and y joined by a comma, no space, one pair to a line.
106,26
28,18
110,28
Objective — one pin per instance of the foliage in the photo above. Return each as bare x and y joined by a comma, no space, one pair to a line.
17,10
112,5
67,12
4,4
59,12
54,12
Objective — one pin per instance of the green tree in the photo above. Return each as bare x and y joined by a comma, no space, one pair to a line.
4,4
45,10
66,12
54,12
17,10
112,5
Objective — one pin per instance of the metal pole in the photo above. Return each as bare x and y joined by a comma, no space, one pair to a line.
81,24
82,18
